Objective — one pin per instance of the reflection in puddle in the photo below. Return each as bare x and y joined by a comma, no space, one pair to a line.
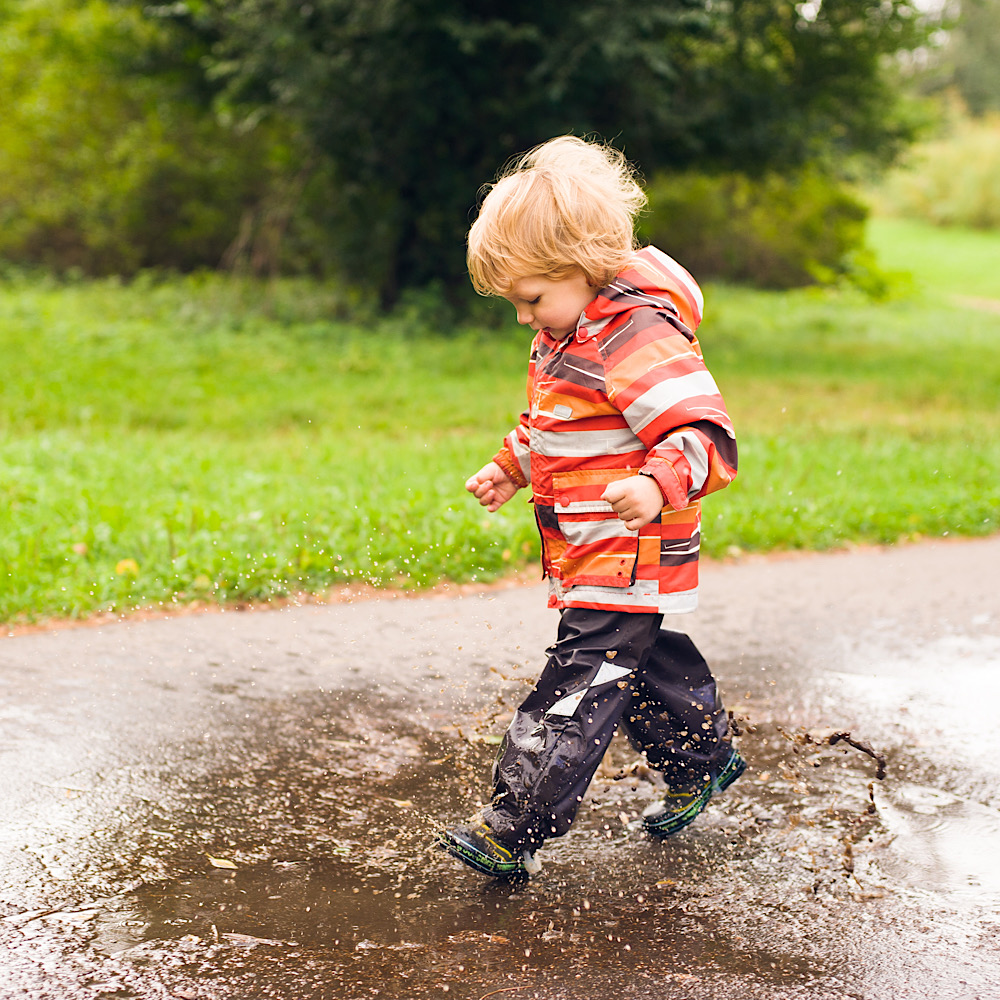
332,838
941,842
945,691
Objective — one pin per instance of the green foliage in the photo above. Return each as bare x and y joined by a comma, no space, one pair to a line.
353,135
965,61
107,167
416,103
976,53
953,180
771,232
220,440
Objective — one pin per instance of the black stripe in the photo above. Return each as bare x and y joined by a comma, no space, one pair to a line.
679,560
669,544
541,351
576,370
611,341
546,517
633,298
673,551
724,444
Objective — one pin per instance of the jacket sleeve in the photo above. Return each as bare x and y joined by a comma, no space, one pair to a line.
657,379
514,456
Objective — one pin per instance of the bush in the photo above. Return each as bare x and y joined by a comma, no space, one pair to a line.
107,169
953,180
771,232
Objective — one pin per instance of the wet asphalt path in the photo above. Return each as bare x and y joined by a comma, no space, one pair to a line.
242,804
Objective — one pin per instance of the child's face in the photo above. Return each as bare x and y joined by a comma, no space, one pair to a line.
554,304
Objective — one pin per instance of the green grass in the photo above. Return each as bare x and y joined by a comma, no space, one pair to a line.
203,439
183,441
948,261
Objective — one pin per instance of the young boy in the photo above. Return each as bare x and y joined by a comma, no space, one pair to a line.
624,433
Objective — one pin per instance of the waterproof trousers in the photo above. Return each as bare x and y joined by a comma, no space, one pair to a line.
606,669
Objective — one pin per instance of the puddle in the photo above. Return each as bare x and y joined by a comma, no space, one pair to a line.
337,880
941,843
941,695
809,878
797,882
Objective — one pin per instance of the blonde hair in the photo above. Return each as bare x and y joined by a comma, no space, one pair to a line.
566,205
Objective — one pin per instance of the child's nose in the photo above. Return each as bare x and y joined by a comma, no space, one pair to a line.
523,316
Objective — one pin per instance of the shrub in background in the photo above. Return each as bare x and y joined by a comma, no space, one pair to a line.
953,180
774,231
109,170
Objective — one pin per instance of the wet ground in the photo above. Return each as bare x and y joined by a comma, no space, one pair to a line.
243,804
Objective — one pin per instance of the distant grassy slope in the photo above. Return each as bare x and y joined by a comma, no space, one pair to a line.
949,261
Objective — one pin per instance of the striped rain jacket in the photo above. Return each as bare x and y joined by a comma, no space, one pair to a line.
627,392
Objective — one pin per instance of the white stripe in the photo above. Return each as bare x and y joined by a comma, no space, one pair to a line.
667,394
681,603
643,593
583,506
568,705
521,453
584,444
688,444
588,532
609,672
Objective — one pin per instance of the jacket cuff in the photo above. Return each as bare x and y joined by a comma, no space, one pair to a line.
508,463
669,481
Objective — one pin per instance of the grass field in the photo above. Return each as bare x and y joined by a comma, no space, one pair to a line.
203,440
964,262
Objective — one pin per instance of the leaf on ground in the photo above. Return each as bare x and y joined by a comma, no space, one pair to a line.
221,863
249,941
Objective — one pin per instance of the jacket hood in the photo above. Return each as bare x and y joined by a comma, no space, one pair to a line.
651,278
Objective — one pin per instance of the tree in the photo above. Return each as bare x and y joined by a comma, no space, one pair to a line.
105,165
975,51
417,102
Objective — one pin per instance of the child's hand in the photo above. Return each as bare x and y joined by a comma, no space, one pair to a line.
636,500
491,486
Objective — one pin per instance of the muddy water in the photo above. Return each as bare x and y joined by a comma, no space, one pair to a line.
337,882
804,879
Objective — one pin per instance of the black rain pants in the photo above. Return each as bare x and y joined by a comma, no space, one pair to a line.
606,669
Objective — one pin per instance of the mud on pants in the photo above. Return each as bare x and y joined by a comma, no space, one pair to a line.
606,669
